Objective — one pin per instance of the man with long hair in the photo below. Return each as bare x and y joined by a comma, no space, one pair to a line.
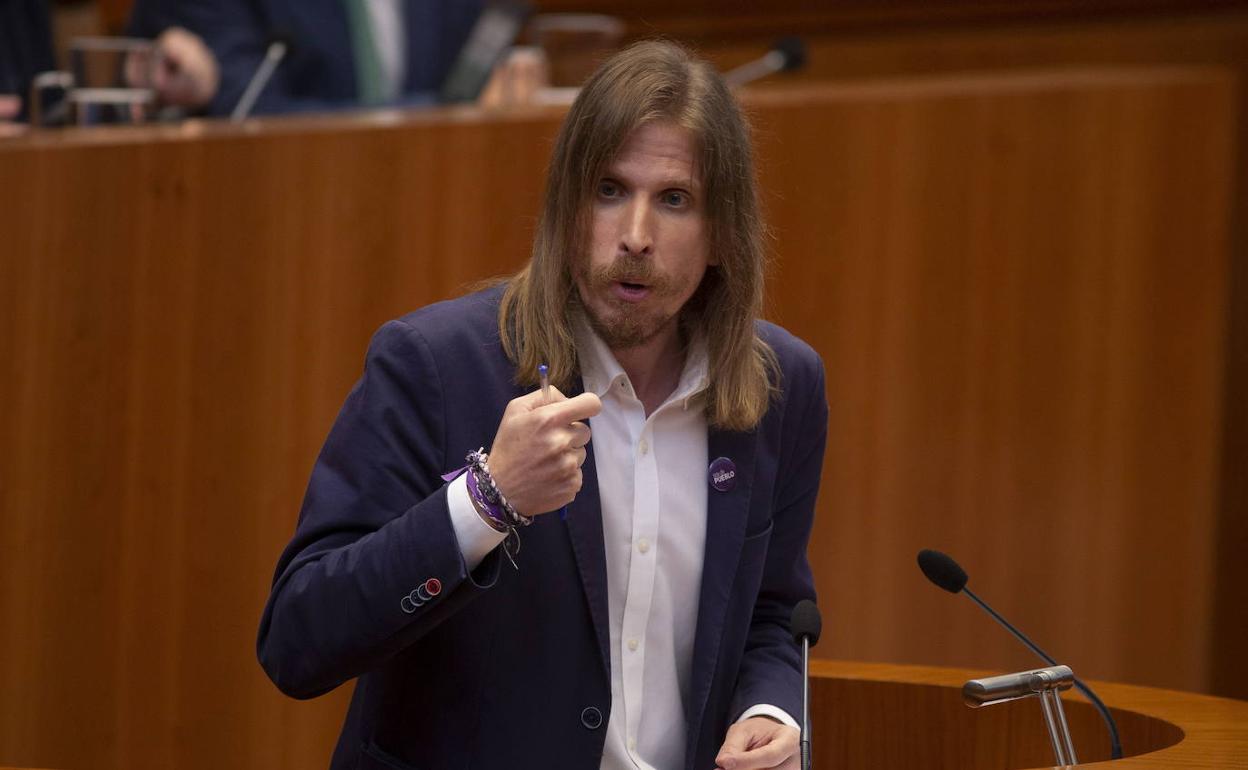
557,602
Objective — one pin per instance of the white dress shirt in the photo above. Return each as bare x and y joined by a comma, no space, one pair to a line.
652,488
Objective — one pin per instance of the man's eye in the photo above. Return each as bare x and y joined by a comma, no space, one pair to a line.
675,198
608,189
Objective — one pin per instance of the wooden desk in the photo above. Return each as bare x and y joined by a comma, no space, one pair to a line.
882,716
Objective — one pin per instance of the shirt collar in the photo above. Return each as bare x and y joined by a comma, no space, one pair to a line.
600,371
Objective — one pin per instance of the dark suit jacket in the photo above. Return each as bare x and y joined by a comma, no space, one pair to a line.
509,668
25,47
319,70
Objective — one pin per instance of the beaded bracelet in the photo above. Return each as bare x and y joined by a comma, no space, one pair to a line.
502,515
492,513
496,505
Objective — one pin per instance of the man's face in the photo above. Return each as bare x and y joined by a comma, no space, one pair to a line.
647,248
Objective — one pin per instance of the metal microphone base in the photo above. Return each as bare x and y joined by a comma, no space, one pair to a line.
1044,683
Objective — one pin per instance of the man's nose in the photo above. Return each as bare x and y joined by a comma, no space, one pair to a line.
637,232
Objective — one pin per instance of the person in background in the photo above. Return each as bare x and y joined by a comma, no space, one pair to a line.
187,79
341,53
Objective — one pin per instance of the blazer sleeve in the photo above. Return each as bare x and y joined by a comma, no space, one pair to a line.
771,667
374,529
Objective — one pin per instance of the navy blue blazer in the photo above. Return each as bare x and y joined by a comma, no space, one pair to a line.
25,48
319,70
506,668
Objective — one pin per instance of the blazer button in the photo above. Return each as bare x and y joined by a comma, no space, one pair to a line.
591,718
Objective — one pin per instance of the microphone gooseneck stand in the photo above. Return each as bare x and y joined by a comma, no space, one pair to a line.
805,625
946,574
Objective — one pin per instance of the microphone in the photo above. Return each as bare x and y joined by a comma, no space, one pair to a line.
942,570
806,625
272,57
786,54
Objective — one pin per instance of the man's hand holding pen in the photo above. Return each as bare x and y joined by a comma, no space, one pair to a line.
538,451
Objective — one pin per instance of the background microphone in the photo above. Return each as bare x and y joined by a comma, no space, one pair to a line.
273,56
942,570
787,54
806,625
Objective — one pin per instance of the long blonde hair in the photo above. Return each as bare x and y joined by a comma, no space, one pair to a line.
652,81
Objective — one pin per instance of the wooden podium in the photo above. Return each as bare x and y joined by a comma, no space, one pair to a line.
879,716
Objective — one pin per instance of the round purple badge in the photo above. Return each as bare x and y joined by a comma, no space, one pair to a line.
723,474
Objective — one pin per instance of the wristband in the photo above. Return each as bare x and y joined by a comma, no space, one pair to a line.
490,503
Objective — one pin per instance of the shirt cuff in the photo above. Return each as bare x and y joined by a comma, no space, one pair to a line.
765,710
476,538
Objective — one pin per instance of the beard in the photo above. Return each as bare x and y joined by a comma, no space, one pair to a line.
620,324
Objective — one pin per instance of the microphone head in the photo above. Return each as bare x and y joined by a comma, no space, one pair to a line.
806,622
285,37
942,570
793,49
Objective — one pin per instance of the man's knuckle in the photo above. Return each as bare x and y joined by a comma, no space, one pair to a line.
552,443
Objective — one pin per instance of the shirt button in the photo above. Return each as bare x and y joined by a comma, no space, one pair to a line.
632,644
643,545
644,446
632,744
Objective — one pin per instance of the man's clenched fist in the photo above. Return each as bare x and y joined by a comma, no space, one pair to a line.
539,448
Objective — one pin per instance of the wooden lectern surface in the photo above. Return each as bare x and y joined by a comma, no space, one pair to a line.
878,716
875,716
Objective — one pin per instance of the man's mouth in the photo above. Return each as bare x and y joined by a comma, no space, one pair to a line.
629,291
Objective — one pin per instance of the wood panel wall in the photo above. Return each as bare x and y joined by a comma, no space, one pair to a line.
849,47
1018,284
1006,383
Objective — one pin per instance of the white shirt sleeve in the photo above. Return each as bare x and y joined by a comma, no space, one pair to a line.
476,538
763,710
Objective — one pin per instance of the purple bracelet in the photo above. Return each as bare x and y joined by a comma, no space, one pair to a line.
478,463
500,515
498,518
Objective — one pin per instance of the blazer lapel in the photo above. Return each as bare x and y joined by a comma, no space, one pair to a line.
726,516
584,523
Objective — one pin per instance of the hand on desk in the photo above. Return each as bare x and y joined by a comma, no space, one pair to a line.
188,75
9,107
516,79
759,743
185,74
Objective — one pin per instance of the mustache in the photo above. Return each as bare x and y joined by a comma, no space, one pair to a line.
630,270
